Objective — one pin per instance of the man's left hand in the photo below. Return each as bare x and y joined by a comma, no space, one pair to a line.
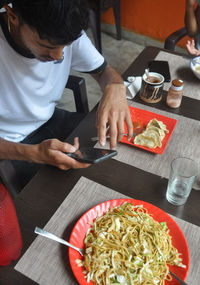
113,111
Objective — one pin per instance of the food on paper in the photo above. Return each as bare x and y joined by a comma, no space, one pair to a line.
153,135
127,246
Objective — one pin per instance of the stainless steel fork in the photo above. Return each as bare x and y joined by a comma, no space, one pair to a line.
135,133
46,234
177,278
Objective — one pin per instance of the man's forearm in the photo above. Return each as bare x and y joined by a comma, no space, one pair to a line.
15,151
107,76
190,21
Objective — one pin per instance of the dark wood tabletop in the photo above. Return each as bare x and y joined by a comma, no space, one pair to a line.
42,196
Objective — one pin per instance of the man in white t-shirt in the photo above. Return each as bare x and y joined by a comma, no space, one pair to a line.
40,41
192,24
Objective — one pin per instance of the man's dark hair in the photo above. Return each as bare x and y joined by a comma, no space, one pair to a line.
58,21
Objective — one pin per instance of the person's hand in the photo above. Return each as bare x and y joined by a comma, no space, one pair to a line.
113,111
52,152
190,46
190,2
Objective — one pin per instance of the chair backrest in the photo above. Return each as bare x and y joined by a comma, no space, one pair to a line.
96,8
174,38
78,86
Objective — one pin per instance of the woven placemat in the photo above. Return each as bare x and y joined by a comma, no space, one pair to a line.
183,142
43,261
179,68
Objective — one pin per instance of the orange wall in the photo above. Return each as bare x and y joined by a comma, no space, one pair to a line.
153,18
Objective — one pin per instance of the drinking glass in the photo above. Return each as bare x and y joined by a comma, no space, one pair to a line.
182,176
197,181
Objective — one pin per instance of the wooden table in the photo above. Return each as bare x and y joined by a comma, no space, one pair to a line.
42,196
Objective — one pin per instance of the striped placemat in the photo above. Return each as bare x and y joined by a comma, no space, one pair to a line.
44,261
179,68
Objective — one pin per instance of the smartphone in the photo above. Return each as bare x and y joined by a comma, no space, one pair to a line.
162,67
92,155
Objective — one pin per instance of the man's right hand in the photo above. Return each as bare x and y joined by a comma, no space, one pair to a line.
52,152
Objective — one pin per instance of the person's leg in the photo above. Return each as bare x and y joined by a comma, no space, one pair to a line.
61,124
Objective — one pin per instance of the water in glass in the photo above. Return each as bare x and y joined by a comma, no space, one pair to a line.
177,192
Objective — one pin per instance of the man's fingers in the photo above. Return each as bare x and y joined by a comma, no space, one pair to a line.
76,142
129,125
120,130
102,132
74,164
113,134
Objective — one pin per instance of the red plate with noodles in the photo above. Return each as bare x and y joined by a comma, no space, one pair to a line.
83,224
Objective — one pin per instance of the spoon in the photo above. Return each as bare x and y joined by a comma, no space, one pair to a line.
46,234
49,235
147,73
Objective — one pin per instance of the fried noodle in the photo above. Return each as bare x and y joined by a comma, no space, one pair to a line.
127,246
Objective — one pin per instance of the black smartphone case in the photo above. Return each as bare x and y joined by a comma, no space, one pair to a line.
92,155
162,67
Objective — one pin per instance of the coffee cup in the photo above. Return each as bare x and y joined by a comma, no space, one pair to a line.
152,87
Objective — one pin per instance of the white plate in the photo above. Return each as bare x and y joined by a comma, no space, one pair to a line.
195,66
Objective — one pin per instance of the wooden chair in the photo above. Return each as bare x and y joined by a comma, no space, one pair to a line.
7,172
174,38
96,8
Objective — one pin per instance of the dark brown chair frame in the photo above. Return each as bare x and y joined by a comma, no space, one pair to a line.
174,38
96,8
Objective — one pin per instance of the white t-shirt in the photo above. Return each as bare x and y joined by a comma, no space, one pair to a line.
30,89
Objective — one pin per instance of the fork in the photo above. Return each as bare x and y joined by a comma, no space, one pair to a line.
135,133
49,235
177,278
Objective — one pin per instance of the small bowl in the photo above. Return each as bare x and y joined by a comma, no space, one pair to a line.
195,66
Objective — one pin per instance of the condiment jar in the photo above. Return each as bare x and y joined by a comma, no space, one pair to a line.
10,234
175,94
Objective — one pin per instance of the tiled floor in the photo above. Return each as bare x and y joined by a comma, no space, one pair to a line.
119,54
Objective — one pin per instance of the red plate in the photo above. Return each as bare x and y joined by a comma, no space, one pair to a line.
145,116
81,227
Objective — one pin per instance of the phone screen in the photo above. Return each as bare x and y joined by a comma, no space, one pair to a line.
92,155
162,67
